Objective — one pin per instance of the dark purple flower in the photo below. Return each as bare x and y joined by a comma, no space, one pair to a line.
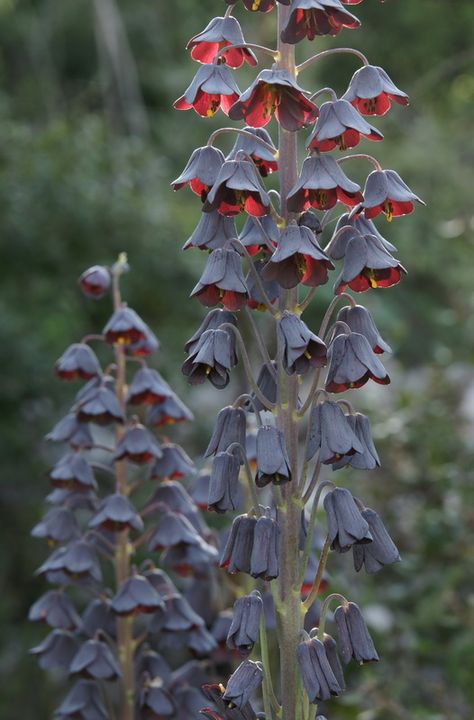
95,281
173,463
201,171
252,237
331,434
222,281
213,320
359,319
136,595
230,428
368,459
309,18
264,556
220,33
185,559
84,702
310,220
56,651
125,327
56,609
273,465
78,361
238,188
99,616
372,92
302,349
367,264
354,639
333,659
318,677
95,660
381,551
298,259
346,525
213,231
78,560
59,525
73,472
212,359
238,549
357,225
148,387
212,87
137,445
68,429
275,92
224,711
264,159
170,411
272,289
339,125
116,513
177,615
243,681
200,489
100,407
147,345
154,700
352,363
173,528
224,488
244,629
173,495
321,185
385,192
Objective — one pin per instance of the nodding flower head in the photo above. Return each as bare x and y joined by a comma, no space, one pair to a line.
372,92
212,87
238,189
201,171
321,185
310,18
339,125
220,33
95,282
222,281
385,192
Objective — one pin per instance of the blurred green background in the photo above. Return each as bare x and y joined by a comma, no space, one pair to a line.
88,146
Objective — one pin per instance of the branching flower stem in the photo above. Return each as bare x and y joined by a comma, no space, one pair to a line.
360,156
225,130
332,51
325,608
313,594
269,699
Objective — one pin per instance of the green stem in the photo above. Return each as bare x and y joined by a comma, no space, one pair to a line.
324,611
319,576
269,698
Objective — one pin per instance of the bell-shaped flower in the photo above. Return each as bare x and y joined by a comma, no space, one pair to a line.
116,513
224,488
215,693
230,428
76,561
222,281
68,429
177,615
172,529
59,525
56,609
275,92
136,596
154,700
73,472
125,327
352,363
254,240
219,34
346,525
265,160
339,125
147,345
147,387
372,92
310,18
185,559
243,681
385,192
56,651
169,412
99,616
302,349
95,660
237,189
172,494
100,407
381,551
84,701
273,465
201,171
367,265
213,320
318,677
212,231
244,629
173,463
95,281
298,259
211,359
212,87
347,228
331,433
359,319
354,638
78,361
368,459
264,556
137,445
321,185
333,659
237,553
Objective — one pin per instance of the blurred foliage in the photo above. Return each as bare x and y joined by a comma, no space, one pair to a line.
89,146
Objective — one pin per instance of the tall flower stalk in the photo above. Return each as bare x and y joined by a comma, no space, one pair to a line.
300,427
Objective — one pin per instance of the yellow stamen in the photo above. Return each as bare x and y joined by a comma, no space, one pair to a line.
256,4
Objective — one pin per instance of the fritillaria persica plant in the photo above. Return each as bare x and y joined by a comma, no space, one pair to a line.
275,261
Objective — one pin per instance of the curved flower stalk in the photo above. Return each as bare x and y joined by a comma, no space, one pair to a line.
116,508
269,477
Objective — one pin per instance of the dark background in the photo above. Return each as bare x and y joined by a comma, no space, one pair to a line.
88,146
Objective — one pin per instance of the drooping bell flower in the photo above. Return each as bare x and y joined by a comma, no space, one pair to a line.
309,18
147,388
125,327
367,264
244,629
354,638
219,34
78,361
73,472
99,615
137,445
211,359
302,349
95,281
238,549
147,345
318,678
238,189
333,659
345,522
359,319
253,238
173,529
84,700
56,609
136,595
212,231
230,428
275,92
321,185
243,681
380,552
385,192
272,289
367,458
273,465
212,87
201,171
298,259
59,525
56,651
213,320
264,556
100,407
68,429
346,228
116,513
173,463
352,363
372,92
95,660
77,561
331,434
339,125
154,700
224,488
265,160
169,412
222,281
